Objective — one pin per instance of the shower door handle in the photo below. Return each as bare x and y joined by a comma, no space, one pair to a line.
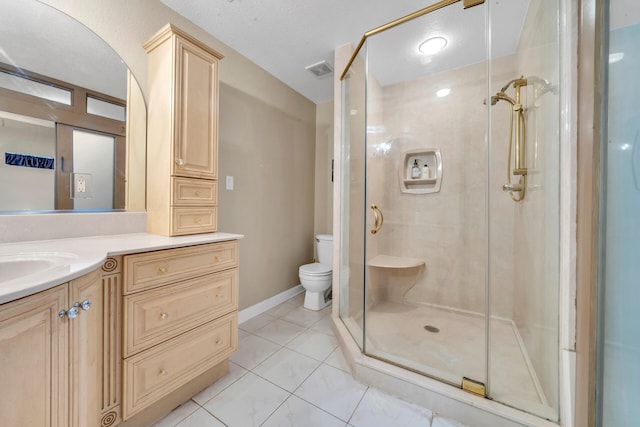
378,219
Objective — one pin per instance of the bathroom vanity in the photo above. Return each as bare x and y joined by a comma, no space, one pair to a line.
119,332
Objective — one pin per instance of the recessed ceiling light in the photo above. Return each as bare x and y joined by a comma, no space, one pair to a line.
432,45
615,57
443,92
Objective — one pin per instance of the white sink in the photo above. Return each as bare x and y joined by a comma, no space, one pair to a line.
22,265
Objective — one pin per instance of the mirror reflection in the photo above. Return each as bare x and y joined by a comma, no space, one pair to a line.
66,99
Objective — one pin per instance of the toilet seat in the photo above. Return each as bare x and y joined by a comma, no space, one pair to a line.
315,269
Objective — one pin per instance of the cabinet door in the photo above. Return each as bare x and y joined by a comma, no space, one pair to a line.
33,361
85,334
196,118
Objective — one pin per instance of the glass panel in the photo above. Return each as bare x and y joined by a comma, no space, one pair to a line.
619,335
33,88
352,194
460,278
426,191
93,155
524,225
105,109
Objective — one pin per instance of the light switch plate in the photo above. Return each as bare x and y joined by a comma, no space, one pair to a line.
229,185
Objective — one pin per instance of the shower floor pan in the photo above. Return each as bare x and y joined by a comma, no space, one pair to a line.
406,335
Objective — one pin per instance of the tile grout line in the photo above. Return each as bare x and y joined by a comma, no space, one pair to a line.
358,405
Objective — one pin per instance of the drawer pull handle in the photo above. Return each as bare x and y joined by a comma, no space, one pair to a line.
162,270
163,316
163,372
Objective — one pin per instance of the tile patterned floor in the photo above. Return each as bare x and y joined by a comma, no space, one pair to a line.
289,371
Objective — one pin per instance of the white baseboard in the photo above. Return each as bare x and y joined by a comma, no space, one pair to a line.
269,303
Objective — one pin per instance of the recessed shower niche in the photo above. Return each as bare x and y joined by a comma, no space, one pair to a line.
420,171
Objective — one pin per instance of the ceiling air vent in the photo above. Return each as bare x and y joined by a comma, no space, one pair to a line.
320,69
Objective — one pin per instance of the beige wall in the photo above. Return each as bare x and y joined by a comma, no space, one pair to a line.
267,142
271,156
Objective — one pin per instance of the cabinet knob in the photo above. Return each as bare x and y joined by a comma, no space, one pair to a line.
179,162
197,193
163,372
71,313
163,315
162,270
218,341
216,258
85,305
197,220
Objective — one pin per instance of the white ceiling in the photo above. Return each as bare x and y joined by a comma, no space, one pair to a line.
285,36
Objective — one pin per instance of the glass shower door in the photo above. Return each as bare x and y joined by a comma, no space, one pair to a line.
450,224
426,169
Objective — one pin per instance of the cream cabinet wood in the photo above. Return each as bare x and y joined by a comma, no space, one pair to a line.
182,148
180,311
50,364
111,334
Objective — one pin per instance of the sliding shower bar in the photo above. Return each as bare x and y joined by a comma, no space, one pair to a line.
517,133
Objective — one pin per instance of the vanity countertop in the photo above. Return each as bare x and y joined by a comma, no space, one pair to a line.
81,255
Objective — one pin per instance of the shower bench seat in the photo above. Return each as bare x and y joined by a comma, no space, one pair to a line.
390,261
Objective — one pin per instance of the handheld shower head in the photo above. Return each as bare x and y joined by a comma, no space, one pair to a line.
494,100
500,96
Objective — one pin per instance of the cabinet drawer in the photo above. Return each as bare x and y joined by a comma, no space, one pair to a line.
193,220
159,314
153,269
194,192
152,374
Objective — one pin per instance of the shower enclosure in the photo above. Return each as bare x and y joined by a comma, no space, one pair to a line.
449,242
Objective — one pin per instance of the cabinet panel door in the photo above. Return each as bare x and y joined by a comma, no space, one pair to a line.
153,269
86,352
193,192
33,361
196,121
152,374
154,316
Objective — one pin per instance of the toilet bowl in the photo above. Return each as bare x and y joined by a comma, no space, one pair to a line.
316,278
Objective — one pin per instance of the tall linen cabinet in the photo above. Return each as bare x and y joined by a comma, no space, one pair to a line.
182,136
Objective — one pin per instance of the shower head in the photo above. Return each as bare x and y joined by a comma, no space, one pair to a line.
500,96
494,100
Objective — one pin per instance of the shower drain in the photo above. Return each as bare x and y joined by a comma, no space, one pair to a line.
431,328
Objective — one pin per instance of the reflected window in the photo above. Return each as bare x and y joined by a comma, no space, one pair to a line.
99,107
35,88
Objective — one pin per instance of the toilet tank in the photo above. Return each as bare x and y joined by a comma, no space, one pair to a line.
324,248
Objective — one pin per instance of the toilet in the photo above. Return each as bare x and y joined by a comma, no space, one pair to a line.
316,278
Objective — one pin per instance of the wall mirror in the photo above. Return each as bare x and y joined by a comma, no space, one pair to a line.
72,117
